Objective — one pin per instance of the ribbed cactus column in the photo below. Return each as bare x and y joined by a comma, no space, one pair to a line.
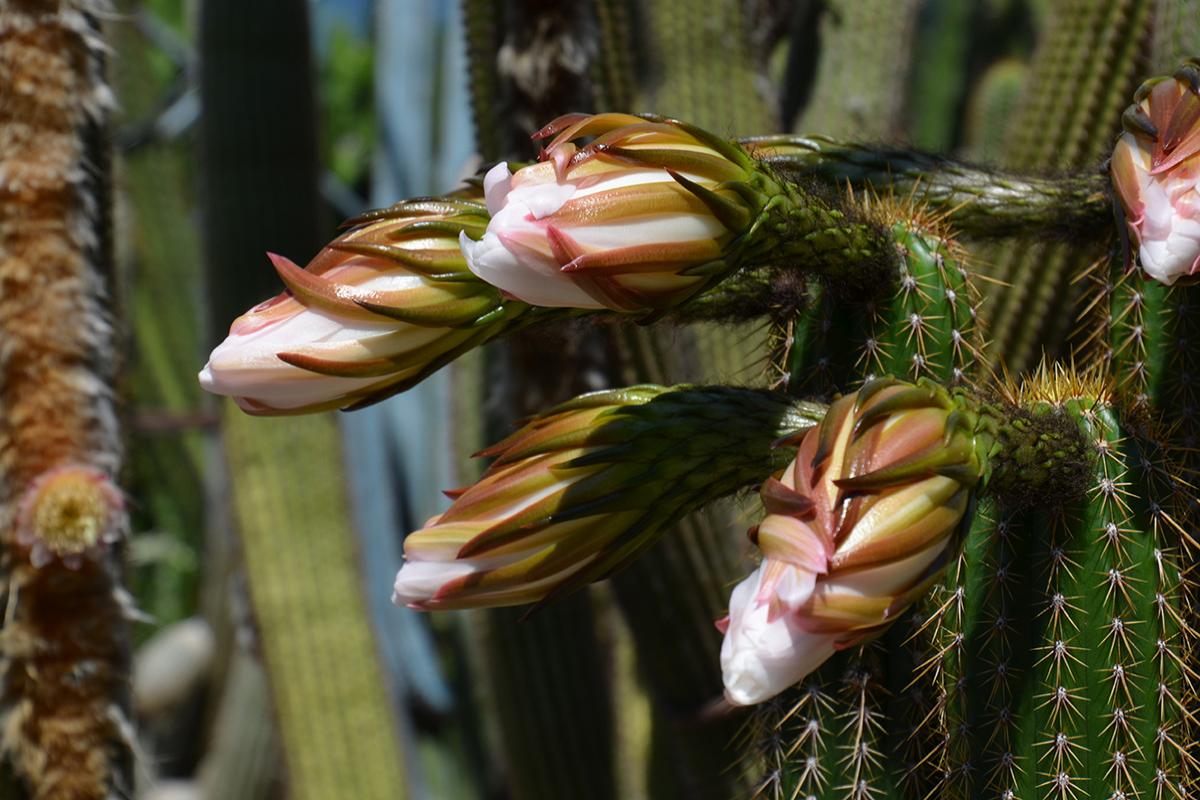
63,519
1084,68
922,323
871,723
1072,646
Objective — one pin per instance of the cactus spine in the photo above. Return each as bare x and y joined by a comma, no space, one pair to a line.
923,325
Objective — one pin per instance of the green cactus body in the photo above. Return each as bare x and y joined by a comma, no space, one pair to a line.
871,722
1143,327
1082,73
926,327
1153,330
1070,684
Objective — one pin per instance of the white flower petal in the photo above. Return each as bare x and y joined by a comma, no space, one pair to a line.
534,280
761,658
496,185
418,581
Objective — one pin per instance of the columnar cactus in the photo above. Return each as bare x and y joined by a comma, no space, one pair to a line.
968,588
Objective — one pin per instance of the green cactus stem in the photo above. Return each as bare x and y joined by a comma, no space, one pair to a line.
1082,73
1072,645
925,328
978,202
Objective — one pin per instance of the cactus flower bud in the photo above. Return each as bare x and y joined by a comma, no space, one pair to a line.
857,527
643,217
581,490
384,305
1156,172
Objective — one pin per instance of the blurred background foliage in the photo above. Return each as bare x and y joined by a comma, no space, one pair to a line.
272,663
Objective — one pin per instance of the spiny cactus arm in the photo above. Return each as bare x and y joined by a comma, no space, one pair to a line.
923,324
979,202
1085,66
1092,710
1068,671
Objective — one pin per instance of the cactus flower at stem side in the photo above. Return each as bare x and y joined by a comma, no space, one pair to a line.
378,309
1156,174
649,213
862,522
581,490
858,526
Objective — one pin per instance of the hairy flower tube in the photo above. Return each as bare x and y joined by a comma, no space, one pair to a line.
1156,172
580,491
648,213
857,528
378,309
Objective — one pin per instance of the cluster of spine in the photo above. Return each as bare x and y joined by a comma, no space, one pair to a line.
925,326
1074,683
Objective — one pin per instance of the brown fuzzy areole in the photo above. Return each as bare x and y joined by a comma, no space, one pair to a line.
66,639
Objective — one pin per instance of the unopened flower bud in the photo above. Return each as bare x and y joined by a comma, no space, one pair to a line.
648,213
377,310
582,490
857,528
1156,172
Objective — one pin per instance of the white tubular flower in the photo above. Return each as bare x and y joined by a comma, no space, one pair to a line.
857,528
377,310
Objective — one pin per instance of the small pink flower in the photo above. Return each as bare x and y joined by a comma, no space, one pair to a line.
1156,172
71,512
856,529
628,222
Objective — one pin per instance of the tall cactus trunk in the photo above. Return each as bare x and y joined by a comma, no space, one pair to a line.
1084,70
66,643
530,61
258,145
1072,674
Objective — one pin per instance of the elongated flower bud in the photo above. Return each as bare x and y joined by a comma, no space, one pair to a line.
646,215
381,307
1156,172
583,489
857,528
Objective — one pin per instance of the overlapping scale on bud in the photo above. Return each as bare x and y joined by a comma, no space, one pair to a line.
378,309
580,491
642,217
1156,172
858,526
